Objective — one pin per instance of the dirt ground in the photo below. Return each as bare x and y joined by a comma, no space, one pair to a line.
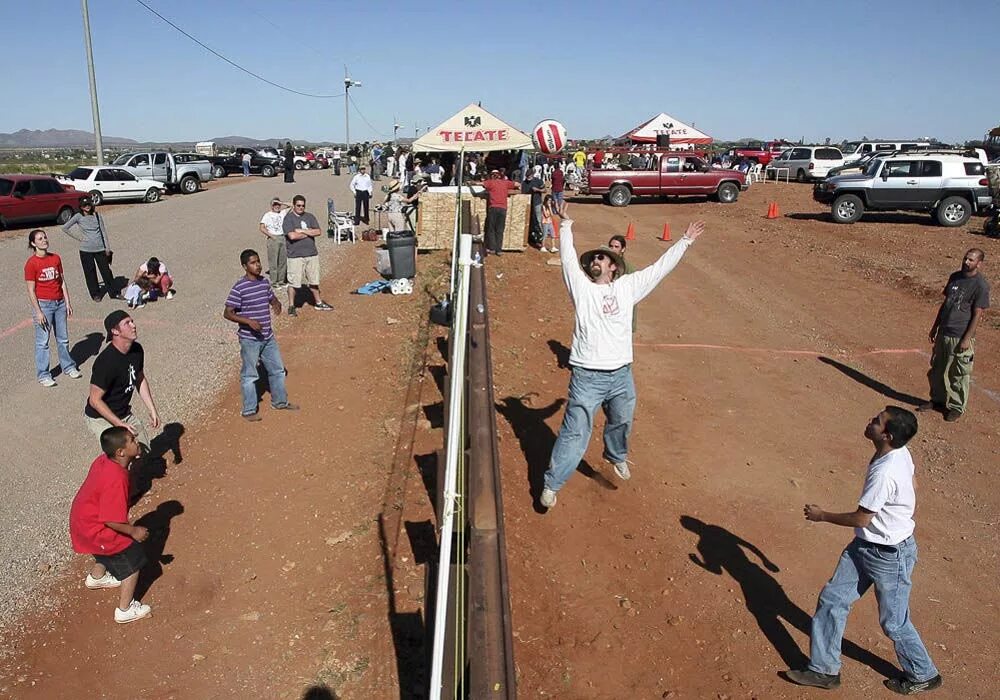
294,550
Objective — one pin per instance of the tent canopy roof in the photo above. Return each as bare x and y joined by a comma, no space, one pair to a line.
663,123
475,129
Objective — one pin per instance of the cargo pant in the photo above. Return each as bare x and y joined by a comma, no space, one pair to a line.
950,373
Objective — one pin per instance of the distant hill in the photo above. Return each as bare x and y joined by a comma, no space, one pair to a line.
55,138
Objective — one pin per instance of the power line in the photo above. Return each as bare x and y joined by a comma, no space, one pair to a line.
233,63
365,119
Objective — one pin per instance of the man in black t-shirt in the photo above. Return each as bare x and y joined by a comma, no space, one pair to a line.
966,296
117,372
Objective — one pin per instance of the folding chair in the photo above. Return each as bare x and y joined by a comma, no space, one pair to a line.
339,223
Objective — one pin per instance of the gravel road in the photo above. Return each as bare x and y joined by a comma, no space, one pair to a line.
191,352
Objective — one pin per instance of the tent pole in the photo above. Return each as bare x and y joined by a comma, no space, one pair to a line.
458,222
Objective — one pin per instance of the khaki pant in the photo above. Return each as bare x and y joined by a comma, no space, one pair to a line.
99,425
950,373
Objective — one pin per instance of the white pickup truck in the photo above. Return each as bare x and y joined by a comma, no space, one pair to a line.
178,171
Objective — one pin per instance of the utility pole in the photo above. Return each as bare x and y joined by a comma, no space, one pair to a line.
93,82
348,84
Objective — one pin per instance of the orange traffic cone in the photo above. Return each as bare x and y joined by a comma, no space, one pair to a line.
630,234
772,210
666,232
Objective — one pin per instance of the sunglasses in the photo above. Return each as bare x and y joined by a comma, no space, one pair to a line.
601,256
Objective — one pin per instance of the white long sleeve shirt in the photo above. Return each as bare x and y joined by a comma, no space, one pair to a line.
361,182
602,333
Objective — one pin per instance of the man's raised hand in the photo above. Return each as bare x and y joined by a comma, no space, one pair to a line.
694,229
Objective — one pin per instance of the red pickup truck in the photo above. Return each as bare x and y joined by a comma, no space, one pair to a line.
676,174
761,153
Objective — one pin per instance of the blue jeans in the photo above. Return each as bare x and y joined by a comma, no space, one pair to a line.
861,566
557,197
246,170
589,389
253,351
55,315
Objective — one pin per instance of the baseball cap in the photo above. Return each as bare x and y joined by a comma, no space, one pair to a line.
112,320
275,200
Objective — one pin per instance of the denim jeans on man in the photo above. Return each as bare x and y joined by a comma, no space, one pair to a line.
55,315
266,351
861,566
590,389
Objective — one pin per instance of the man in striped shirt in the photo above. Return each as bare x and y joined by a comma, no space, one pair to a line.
249,304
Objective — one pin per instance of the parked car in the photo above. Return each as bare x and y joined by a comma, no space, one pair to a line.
36,198
108,182
762,153
261,164
950,185
184,172
676,174
854,150
806,163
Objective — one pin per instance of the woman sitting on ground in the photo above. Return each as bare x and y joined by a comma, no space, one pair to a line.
155,273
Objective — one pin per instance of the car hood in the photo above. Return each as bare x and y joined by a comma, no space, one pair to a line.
847,179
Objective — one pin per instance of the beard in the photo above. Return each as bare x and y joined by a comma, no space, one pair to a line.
594,271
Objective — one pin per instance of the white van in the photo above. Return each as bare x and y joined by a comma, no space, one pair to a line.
854,150
806,163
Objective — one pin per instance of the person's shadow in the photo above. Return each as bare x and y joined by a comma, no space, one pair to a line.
153,463
82,350
536,440
561,352
722,551
158,524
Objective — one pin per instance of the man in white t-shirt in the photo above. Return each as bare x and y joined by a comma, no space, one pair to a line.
271,226
882,555
601,353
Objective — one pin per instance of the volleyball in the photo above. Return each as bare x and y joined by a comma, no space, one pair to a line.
549,136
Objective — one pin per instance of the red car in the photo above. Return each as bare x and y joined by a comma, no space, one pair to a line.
677,173
36,198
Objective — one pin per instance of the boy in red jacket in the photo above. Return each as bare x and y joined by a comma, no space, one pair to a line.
98,524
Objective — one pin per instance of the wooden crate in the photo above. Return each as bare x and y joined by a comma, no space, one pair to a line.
436,224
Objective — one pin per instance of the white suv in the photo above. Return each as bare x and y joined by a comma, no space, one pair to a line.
806,163
950,184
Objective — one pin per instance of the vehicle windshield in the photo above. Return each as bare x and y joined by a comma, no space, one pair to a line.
872,168
122,159
6,187
79,174
850,147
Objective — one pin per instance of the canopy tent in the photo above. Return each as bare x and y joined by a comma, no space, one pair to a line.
475,129
680,133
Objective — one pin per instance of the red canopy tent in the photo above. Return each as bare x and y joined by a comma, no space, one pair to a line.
681,134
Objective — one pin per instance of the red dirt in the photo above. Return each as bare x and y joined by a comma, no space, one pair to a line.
279,579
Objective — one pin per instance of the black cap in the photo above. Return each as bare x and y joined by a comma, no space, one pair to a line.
112,320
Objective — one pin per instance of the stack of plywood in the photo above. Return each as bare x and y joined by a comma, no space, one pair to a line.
436,223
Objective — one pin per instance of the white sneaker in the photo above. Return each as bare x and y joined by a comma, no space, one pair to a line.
548,498
135,611
170,294
74,374
554,249
47,382
622,470
106,581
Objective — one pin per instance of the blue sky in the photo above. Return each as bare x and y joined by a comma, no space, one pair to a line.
767,69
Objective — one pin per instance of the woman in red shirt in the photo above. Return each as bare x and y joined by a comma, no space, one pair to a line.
50,307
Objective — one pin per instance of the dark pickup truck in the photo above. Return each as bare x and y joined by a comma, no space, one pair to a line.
677,174
260,164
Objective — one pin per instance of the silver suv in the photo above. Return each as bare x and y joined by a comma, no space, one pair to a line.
951,184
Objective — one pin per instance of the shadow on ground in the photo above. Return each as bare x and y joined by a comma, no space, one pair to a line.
884,389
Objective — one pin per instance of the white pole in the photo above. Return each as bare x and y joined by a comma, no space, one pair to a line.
93,82
454,448
458,212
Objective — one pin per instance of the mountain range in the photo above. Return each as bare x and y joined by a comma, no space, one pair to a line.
69,138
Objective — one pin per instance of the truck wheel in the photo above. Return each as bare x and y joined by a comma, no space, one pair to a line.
953,211
188,184
152,195
298,165
619,196
267,171
727,193
218,171
96,197
3,224
847,209
801,176
64,215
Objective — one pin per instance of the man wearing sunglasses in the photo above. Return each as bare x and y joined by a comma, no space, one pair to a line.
601,354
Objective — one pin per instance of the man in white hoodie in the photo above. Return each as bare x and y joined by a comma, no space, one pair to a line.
601,354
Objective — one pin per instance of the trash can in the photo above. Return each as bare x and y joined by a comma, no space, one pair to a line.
402,246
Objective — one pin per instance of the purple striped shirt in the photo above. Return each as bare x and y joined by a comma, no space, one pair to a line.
251,299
